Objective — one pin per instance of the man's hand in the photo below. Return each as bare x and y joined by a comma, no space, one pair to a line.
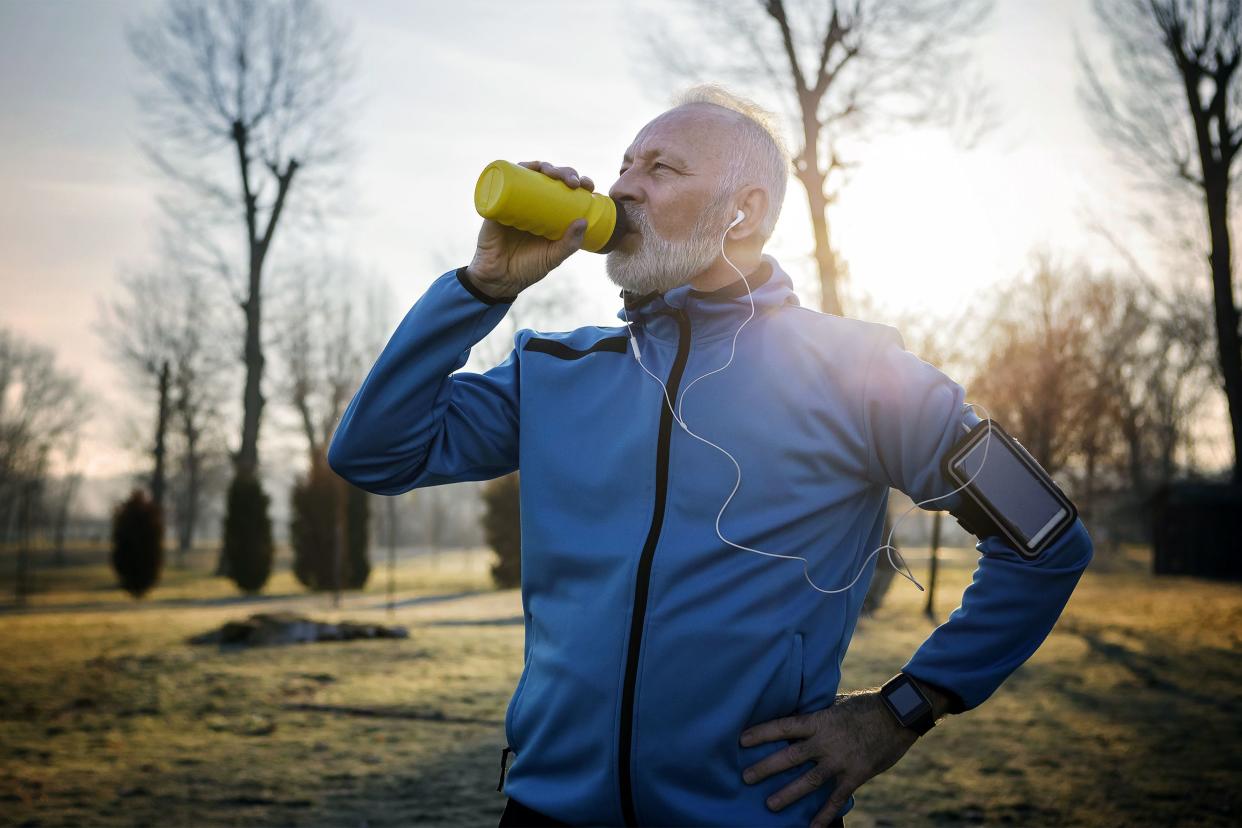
851,741
507,260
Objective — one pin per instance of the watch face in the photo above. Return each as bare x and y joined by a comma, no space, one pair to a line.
906,700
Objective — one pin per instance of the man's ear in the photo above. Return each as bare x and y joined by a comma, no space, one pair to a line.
754,202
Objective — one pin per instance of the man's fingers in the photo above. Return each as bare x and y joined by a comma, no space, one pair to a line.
788,757
552,171
567,174
800,787
835,803
790,727
571,240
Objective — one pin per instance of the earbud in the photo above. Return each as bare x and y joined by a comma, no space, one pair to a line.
740,216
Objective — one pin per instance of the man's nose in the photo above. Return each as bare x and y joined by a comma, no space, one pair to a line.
623,189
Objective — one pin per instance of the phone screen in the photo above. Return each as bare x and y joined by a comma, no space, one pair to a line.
1013,490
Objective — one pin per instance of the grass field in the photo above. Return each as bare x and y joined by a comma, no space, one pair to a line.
1128,715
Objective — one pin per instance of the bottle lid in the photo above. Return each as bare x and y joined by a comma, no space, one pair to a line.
621,226
489,189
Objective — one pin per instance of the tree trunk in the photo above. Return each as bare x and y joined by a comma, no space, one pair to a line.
930,609
1088,500
247,459
21,583
814,181
308,425
882,577
1133,435
189,510
338,546
161,428
435,528
1229,347
61,525
392,553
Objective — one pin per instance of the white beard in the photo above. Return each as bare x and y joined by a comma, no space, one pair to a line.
660,264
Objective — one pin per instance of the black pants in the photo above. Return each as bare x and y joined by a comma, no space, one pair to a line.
518,814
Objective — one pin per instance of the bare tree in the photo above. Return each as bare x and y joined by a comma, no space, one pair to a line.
259,83
137,329
1174,114
1100,377
1141,356
1032,372
42,408
200,368
1178,350
1155,368
163,332
1181,371
42,411
333,323
839,69
161,428
61,497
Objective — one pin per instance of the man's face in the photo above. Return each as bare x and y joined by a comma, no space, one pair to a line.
669,189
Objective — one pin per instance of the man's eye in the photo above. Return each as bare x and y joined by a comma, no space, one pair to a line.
656,164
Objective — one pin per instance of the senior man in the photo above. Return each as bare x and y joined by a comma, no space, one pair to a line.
672,678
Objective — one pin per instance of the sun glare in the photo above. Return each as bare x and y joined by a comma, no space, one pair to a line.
919,223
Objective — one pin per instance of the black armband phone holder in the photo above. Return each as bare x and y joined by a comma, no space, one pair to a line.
971,517
1005,492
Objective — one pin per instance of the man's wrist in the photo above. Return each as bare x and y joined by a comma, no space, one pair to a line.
491,289
941,703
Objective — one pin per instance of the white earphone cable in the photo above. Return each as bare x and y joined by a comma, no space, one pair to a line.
681,422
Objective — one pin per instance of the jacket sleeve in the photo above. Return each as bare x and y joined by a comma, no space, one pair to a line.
913,414
413,422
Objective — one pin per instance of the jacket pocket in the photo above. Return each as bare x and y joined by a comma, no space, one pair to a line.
780,696
782,700
794,676
511,711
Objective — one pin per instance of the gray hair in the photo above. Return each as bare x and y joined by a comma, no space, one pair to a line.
762,157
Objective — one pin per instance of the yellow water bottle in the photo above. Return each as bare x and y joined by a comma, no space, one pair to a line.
520,197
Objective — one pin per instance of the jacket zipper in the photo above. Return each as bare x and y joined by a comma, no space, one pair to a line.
644,567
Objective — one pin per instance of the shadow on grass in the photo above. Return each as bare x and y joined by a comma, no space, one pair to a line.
1162,741
1156,667
428,715
431,599
457,789
221,601
149,604
510,621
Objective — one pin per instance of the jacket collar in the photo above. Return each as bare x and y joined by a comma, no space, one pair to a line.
710,312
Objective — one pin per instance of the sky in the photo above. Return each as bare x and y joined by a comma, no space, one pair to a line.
923,222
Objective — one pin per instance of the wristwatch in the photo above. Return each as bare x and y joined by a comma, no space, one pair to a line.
908,703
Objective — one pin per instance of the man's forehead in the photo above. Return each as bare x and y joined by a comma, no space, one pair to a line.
651,149
677,134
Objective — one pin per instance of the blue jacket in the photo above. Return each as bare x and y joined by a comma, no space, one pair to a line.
649,644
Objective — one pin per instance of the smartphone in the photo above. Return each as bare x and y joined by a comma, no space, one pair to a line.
1013,491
